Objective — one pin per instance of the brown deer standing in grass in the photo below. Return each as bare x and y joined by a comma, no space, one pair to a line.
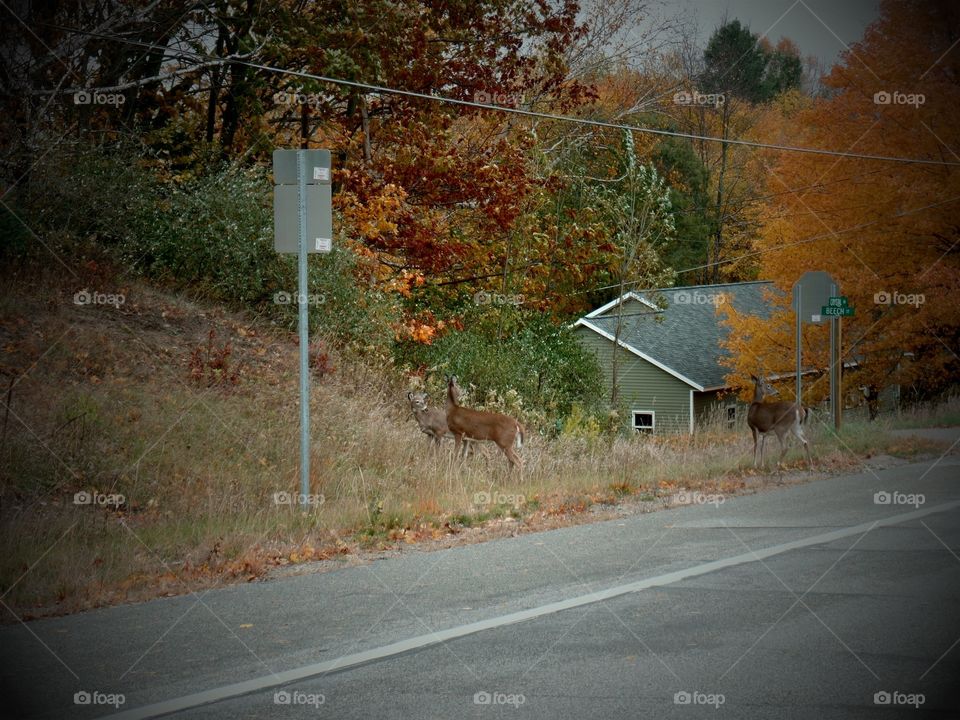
433,421
782,417
465,423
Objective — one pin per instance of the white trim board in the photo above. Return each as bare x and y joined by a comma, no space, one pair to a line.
627,295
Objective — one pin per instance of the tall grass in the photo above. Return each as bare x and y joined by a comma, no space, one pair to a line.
945,413
110,412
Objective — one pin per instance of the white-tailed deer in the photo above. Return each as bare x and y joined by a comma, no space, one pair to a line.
465,423
783,418
432,421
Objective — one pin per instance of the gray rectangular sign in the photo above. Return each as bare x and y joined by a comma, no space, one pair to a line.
285,166
286,222
814,289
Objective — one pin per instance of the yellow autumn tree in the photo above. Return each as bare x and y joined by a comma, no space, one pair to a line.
887,231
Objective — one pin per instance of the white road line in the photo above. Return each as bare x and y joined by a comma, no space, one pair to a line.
265,682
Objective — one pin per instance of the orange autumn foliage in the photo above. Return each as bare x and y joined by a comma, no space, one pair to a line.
888,232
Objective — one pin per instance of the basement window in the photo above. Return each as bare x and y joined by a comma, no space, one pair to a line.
643,421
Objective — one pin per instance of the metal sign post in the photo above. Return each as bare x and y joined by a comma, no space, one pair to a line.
810,293
308,171
798,289
834,380
304,327
835,363
837,307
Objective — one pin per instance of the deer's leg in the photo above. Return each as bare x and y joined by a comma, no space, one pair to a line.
512,456
806,445
782,438
457,444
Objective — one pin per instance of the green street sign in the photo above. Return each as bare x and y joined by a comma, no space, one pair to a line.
839,301
836,311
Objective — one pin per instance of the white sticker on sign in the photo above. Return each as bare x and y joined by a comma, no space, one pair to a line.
321,173
324,244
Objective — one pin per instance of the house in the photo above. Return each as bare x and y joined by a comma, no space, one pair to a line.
670,377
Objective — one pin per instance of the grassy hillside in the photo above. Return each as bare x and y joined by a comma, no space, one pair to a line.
180,419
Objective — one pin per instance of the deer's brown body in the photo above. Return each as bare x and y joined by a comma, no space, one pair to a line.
781,418
466,423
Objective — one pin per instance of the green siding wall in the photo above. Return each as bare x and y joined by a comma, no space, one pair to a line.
710,406
705,403
643,386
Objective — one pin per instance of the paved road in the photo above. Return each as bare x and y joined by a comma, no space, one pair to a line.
796,603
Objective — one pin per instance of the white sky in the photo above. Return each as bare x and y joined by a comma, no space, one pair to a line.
840,21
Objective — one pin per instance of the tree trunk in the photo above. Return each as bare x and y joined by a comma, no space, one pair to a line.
718,233
365,120
216,82
614,367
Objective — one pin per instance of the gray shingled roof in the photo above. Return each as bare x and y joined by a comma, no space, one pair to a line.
685,336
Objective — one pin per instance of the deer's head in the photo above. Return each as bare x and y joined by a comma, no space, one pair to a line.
418,401
454,392
763,388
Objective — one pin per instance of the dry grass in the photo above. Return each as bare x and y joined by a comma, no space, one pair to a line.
942,414
106,401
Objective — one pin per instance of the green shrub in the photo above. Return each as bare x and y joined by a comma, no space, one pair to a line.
542,363
211,234
214,233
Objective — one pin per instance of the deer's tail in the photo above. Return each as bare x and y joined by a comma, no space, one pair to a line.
805,414
519,436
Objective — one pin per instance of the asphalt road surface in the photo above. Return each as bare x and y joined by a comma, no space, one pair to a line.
823,600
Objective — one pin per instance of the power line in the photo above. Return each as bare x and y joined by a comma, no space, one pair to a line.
580,121
812,238
514,111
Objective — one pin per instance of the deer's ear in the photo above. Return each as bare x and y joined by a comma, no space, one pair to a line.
410,395
754,377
